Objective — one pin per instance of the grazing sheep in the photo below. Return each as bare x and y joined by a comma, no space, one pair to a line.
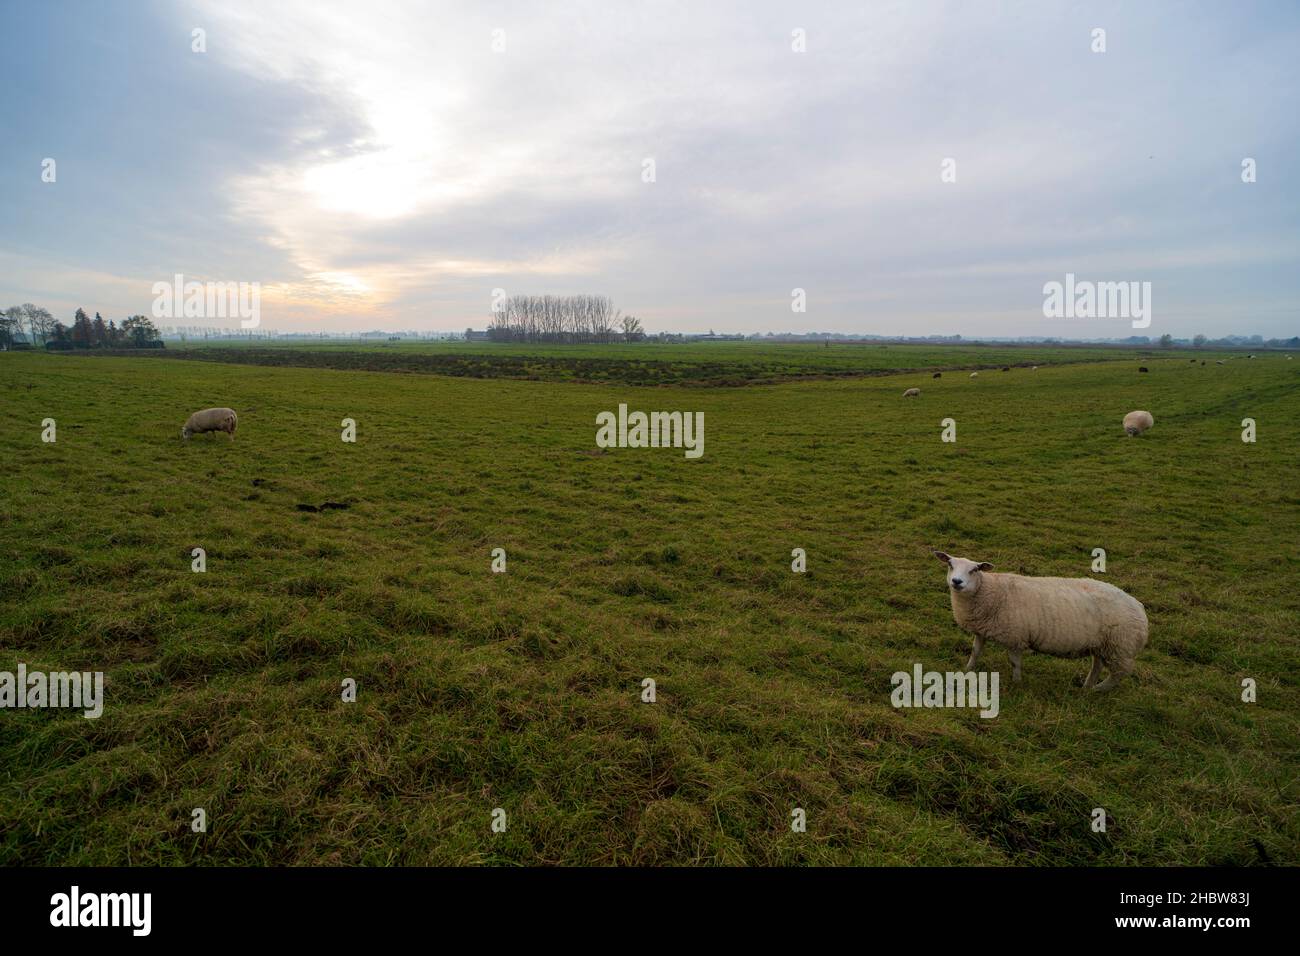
1143,368
1135,423
974,374
1064,617
1202,361
211,420
1250,356
1219,362
940,374
1034,369
1006,368
912,393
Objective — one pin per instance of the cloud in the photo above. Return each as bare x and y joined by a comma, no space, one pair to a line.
391,166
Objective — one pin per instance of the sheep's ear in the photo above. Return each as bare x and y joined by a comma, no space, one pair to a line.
946,559
985,566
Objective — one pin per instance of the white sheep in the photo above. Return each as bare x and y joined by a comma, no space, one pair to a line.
1135,423
974,374
912,393
1138,422
1064,617
211,420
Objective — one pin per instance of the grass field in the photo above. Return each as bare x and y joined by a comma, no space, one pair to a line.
710,364
522,690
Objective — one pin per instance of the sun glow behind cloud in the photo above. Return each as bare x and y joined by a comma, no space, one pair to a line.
404,169
427,153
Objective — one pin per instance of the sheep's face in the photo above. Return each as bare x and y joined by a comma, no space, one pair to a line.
964,577
185,432
1132,430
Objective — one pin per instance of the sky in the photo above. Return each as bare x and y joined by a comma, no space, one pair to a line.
389,165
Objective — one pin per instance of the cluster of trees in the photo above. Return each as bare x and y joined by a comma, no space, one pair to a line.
1239,341
39,322
137,332
1167,341
561,318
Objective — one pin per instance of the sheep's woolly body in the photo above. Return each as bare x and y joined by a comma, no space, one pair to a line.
211,420
912,393
1135,423
1064,617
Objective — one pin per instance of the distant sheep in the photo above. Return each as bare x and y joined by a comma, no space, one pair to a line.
912,393
211,420
1219,362
1063,617
1135,423
1034,369
1006,368
940,374
1143,368
974,374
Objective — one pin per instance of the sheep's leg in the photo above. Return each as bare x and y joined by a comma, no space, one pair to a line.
975,653
1093,674
1015,664
1118,670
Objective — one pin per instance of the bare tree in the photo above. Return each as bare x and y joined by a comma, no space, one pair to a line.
39,320
11,323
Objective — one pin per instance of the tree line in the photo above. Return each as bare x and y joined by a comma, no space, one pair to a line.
136,332
561,318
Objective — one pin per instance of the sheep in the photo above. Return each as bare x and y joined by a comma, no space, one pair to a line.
912,393
1034,369
974,374
940,374
1143,368
1064,617
1006,368
1219,362
1135,423
211,420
